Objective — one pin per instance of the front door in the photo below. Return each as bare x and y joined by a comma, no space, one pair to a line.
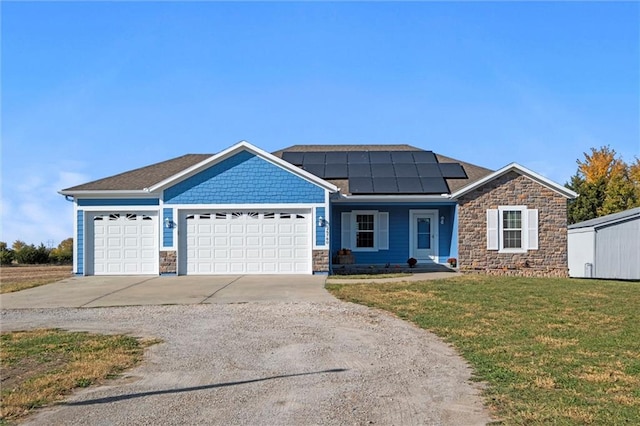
424,235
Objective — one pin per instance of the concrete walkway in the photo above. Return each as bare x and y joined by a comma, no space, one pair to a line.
101,291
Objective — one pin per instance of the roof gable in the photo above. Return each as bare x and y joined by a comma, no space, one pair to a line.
158,176
230,152
244,178
521,170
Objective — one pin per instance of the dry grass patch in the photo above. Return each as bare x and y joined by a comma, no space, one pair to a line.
40,367
553,351
21,277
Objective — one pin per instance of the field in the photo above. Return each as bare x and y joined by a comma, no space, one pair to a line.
20,277
552,351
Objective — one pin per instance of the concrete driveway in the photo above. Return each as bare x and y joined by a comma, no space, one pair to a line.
91,292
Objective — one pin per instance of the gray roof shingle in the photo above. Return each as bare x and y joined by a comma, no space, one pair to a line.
145,177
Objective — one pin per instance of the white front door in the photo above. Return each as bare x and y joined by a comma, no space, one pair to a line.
424,235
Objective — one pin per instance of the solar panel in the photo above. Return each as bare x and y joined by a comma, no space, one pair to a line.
316,169
334,171
294,158
385,186
360,185
424,157
401,157
409,185
452,171
358,157
434,185
382,170
428,170
359,170
336,158
380,157
313,158
406,170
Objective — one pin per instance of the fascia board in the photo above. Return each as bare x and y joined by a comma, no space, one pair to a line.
566,192
229,152
390,198
110,193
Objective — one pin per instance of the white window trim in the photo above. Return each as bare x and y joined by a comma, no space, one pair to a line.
380,236
354,230
524,228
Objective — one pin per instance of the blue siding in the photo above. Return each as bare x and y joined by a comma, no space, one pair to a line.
167,233
398,252
320,230
454,235
80,243
85,202
244,179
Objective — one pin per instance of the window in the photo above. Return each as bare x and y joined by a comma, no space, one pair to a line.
512,229
365,230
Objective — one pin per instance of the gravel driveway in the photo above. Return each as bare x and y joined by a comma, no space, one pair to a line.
267,364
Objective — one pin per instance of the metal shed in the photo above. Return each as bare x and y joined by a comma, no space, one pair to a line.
606,247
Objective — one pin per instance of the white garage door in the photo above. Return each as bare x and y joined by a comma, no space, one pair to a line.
246,242
123,244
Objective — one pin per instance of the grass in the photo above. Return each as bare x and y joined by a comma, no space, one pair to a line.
21,277
553,351
40,367
367,276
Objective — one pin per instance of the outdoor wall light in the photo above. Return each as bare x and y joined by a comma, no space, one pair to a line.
168,223
321,222
441,220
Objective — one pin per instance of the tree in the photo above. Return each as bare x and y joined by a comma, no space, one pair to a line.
30,254
63,253
6,254
605,184
18,244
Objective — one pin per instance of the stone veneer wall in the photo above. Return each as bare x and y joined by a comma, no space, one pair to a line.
320,260
513,189
168,262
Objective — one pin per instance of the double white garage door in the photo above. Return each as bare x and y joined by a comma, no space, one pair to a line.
245,242
210,242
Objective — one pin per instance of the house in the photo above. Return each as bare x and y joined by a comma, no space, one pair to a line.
246,211
606,247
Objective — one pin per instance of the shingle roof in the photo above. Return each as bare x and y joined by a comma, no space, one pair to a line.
608,219
474,173
143,177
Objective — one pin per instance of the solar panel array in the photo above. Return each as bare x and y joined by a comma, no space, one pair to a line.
381,172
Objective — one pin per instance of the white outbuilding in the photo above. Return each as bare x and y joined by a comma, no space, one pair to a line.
606,247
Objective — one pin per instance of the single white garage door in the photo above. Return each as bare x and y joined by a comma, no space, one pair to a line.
122,244
246,242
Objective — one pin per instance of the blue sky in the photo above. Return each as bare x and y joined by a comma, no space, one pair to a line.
94,89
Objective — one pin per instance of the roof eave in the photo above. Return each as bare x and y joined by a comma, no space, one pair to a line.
390,198
565,192
109,192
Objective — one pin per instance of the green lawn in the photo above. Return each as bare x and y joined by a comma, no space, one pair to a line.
553,351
